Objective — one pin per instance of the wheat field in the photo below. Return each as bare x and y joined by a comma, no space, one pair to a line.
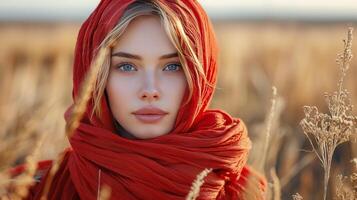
297,58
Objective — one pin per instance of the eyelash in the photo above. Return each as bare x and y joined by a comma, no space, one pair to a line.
123,64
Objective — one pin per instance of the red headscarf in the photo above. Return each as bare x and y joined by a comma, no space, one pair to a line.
162,167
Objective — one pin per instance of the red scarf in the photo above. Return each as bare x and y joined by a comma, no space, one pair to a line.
162,167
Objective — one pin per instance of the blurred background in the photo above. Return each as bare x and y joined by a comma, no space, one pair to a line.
291,45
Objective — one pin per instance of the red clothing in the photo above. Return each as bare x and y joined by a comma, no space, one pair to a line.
66,189
163,167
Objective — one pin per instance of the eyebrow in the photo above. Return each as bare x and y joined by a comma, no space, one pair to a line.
128,55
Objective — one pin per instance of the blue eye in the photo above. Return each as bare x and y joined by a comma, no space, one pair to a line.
172,67
127,67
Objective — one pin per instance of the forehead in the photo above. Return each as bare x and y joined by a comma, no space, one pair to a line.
145,34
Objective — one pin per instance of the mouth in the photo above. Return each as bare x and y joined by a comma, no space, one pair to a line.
150,114
149,118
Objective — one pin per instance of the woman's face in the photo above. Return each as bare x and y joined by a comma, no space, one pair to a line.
146,81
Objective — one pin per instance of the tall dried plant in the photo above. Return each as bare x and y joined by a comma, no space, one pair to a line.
326,131
20,185
276,185
346,188
197,183
78,111
275,190
267,132
297,196
269,121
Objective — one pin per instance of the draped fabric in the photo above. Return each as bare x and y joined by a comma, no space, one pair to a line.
163,167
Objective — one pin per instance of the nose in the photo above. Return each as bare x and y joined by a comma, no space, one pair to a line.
149,92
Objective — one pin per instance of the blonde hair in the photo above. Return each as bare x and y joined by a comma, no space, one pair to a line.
176,33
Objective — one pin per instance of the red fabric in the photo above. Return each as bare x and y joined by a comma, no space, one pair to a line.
162,167
21,168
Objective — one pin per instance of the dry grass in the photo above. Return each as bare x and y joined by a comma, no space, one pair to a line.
196,185
346,188
85,92
326,131
297,196
269,121
276,185
35,76
104,191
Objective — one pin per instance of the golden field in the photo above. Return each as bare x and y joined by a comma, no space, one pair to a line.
297,58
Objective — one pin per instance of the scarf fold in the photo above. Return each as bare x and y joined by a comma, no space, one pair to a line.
160,168
163,167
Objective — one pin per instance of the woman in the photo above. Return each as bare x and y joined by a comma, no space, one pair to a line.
146,131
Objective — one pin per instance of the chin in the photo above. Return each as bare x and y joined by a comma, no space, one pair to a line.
147,134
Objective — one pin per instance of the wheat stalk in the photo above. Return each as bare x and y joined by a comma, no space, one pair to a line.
325,132
25,180
196,185
85,92
269,121
276,184
78,109
105,193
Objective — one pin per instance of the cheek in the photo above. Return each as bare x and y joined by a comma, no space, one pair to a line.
120,92
175,87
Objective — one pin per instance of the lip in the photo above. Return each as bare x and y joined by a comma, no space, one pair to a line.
149,114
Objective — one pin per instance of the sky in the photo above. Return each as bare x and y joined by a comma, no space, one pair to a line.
79,9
